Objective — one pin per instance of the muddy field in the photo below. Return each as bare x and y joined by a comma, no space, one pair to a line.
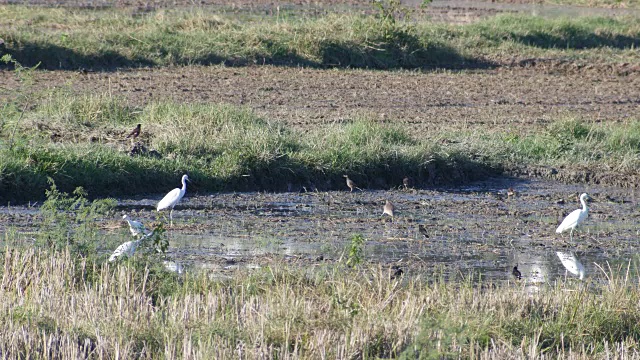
476,229
422,100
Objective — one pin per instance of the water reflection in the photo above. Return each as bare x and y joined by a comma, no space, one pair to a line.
571,263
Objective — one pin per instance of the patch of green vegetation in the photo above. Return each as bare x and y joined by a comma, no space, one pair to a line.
70,220
72,39
80,141
570,142
355,250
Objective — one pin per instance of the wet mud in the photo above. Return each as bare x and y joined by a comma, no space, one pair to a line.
478,230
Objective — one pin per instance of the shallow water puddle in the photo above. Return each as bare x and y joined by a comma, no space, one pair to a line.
476,229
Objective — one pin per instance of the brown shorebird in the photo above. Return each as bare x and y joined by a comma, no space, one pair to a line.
516,273
388,209
407,182
511,192
423,231
351,184
135,132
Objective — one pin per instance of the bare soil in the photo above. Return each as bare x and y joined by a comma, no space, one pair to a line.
308,97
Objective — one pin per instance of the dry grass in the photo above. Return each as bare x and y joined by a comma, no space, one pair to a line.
59,306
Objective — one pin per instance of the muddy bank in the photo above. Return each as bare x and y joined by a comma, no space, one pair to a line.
578,175
475,229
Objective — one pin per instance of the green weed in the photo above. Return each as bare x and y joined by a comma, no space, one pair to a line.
355,250
70,220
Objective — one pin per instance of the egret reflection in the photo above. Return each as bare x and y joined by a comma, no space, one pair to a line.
571,263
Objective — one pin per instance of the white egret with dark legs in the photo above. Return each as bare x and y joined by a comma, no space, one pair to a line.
173,197
575,218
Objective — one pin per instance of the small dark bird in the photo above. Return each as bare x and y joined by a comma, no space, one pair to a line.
407,182
423,231
511,192
388,209
397,272
351,184
516,273
135,133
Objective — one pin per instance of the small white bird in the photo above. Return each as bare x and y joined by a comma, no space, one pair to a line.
575,218
571,263
173,197
128,248
136,227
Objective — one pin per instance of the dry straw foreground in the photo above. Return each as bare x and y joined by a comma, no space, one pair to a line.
56,305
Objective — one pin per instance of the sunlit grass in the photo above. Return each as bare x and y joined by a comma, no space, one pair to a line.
73,38
80,141
58,304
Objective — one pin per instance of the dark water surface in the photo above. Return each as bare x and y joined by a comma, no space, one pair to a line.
476,229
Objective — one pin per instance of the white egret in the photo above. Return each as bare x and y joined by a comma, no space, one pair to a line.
127,249
173,197
575,218
571,263
136,227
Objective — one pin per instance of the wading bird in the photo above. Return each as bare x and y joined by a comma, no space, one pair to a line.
173,197
407,182
571,263
516,273
575,218
388,209
351,184
397,272
135,133
128,248
423,231
136,227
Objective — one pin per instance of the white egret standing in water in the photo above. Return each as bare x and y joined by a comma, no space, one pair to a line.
136,227
173,197
571,263
575,218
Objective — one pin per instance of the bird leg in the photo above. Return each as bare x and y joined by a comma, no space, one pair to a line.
171,216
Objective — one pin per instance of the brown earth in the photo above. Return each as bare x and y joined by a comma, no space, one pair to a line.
422,100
